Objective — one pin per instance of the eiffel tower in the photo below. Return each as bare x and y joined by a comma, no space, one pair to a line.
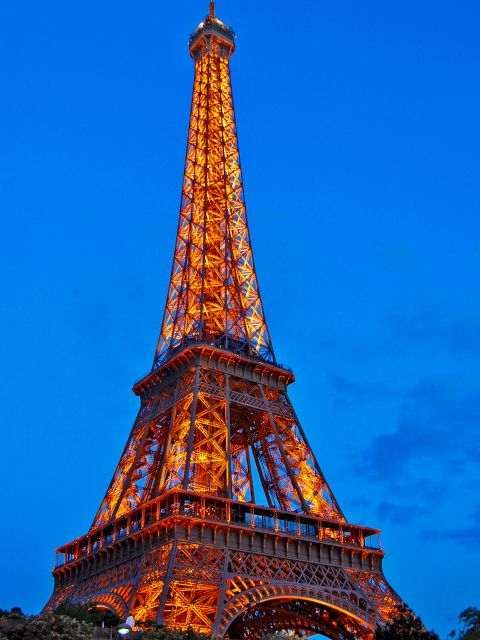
181,536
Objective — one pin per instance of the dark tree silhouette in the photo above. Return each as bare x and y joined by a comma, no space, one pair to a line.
405,625
469,621
84,614
14,625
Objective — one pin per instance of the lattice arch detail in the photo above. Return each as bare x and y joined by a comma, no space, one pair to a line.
348,603
111,601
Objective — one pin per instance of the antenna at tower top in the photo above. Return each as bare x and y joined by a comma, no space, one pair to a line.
211,9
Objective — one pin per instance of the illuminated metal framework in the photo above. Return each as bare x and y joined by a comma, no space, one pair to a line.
180,537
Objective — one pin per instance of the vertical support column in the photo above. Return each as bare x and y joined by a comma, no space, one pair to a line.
250,477
317,469
221,596
229,452
266,488
191,435
166,584
281,448
161,469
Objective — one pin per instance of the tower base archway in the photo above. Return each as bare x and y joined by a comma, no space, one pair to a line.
201,564
300,617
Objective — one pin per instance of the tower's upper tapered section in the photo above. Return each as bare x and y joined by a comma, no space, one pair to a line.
213,294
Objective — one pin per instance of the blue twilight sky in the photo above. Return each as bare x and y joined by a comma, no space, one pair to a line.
359,132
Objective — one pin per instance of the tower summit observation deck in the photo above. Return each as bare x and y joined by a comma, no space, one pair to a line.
218,516
212,26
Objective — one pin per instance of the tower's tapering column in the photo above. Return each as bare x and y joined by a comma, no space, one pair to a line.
213,293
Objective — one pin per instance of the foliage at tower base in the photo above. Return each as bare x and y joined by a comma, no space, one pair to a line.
404,625
14,625
469,621
94,616
73,622
155,632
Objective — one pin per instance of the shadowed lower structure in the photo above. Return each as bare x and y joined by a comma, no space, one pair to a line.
218,516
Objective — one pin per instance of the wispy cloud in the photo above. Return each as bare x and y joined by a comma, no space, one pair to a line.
436,422
453,332
432,451
350,393
464,535
400,513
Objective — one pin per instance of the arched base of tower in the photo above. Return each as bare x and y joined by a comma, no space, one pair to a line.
230,569
108,601
300,617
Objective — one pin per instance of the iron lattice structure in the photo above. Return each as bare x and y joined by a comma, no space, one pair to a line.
180,536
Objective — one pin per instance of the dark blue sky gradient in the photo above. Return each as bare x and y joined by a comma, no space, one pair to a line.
359,132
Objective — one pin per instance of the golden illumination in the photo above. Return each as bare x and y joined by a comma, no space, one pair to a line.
180,537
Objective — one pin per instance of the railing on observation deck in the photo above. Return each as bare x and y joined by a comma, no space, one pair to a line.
201,507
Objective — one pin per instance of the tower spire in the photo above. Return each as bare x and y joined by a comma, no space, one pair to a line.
211,9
